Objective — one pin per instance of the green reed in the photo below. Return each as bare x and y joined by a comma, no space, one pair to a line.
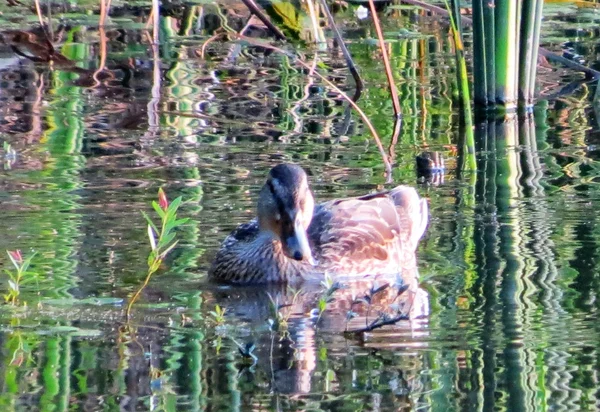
466,142
506,37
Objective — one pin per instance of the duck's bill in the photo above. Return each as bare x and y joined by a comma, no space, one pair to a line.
296,246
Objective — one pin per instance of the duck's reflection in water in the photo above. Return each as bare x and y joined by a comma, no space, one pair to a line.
294,328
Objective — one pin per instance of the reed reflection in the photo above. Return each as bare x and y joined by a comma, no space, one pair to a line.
517,298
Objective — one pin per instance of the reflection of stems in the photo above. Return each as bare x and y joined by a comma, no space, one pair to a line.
208,41
36,118
155,21
381,323
271,361
387,164
153,103
386,61
102,52
294,110
395,134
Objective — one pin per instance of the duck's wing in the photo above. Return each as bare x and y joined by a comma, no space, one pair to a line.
245,232
226,265
370,233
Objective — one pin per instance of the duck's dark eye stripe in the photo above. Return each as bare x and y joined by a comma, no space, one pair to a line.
278,201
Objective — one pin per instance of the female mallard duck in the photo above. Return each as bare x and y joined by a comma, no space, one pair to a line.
292,239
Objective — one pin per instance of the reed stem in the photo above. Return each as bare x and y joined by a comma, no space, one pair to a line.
386,61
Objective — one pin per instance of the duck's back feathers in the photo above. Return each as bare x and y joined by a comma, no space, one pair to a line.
372,234
246,232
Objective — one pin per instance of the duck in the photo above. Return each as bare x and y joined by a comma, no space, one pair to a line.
292,239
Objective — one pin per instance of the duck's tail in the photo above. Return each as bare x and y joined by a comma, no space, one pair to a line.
412,210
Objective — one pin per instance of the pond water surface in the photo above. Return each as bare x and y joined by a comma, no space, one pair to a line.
510,260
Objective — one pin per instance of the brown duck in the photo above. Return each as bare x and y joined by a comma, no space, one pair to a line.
292,239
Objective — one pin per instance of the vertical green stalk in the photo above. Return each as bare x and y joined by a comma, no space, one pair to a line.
480,85
526,50
489,22
505,42
467,144
506,53
530,39
519,39
187,20
539,6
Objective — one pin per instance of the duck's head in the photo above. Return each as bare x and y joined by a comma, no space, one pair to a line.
285,208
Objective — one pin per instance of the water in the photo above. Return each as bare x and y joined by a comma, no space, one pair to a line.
510,258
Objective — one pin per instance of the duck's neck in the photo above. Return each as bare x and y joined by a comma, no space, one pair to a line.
266,262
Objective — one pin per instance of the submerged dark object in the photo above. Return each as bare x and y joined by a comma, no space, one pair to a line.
292,239
431,167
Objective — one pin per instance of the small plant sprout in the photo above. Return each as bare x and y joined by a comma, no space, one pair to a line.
218,315
162,240
383,318
329,288
400,286
247,352
280,312
10,155
375,289
351,314
17,277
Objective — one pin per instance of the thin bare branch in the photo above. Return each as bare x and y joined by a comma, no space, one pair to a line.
104,9
265,20
342,45
155,21
379,323
386,61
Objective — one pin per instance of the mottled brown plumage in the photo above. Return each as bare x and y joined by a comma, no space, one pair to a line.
293,240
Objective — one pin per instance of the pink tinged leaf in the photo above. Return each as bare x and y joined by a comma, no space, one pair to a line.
17,360
15,256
